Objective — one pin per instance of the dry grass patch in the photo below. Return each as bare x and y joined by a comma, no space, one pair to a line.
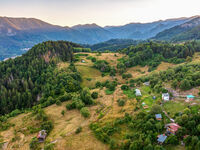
138,71
18,137
91,73
164,66
82,141
112,110
65,127
62,65
111,58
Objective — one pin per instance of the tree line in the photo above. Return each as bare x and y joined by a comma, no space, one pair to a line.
26,79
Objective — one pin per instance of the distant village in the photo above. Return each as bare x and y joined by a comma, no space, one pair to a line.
171,128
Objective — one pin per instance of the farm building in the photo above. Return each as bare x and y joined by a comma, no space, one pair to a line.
161,138
42,135
146,83
138,92
165,96
172,128
144,105
158,117
83,61
190,97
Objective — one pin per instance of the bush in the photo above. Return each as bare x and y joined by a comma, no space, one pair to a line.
78,130
71,106
47,125
102,65
172,140
79,104
185,84
85,112
63,112
86,96
94,59
125,87
58,103
89,79
49,146
15,113
65,97
111,86
126,76
94,95
121,102
108,92
98,84
33,144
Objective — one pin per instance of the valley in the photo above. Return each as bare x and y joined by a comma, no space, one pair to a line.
116,112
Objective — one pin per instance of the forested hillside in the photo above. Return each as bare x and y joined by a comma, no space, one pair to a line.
113,44
89,100
26,79
185,31
152,54
194,33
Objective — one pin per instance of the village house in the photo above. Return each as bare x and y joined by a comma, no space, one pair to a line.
190,97
158,117
146,83
161,138
42,136
138,92
165,96
144,105
172,128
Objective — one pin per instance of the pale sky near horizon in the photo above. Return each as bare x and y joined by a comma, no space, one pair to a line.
101,12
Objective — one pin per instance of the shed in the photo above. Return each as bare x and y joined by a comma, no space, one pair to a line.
144,105
165,96
158,117
42,135
161,138
146,83
83,61
138,92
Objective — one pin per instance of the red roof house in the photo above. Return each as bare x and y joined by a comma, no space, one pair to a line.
172,127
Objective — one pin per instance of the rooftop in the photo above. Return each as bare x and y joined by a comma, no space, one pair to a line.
158,116
162,138
190,96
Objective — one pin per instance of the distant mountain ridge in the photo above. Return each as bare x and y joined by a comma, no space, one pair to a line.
113,44
17,34
95,32
175,33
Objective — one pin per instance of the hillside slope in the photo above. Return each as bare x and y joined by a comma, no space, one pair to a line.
111,124
176,32
112,45
31,74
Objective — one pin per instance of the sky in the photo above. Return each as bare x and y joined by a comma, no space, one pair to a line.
101,12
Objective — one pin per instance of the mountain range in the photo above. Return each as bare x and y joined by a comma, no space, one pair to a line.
186,31
17,35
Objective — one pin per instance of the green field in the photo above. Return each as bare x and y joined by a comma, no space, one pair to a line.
174,107
88,72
